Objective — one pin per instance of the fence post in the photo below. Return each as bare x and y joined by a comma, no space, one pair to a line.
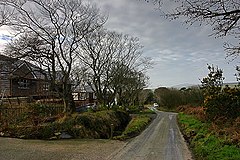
111,136
18,101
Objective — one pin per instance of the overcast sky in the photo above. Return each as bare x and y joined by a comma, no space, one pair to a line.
180,55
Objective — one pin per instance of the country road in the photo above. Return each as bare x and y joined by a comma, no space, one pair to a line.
162,140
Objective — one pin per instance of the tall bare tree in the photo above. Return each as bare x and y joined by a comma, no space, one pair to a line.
97,52
127,83
103,51
59,26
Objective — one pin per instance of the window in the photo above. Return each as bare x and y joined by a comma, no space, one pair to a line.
23,84
82,96
45,86
75,96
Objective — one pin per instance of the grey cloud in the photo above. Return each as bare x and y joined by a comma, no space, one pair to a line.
180,54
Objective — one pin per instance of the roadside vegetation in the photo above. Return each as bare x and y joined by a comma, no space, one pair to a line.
209,116
36,123
170,98
204,141
137,124
46,121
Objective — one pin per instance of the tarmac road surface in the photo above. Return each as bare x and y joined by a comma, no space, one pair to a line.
162,140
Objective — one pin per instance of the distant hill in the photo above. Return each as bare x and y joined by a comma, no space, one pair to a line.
187,85
231,84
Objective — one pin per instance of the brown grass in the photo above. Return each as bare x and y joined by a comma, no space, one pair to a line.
227,129
198,112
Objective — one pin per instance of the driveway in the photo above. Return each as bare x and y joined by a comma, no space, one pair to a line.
18,149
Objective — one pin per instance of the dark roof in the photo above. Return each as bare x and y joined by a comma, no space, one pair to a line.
17,65
85,87
6,58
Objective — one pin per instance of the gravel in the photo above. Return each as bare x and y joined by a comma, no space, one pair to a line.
18,149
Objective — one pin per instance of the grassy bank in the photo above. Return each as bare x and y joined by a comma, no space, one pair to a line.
204,143
37,122
86,125
136,126
140,120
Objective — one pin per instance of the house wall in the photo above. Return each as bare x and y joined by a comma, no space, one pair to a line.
5,84
19,90
18,80
42,88
21,79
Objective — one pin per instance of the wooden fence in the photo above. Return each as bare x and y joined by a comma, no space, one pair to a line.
13,113
15,101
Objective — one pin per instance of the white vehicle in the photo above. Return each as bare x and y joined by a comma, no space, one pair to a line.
155,105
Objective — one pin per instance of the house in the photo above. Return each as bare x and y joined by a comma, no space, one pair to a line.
19,78
84,95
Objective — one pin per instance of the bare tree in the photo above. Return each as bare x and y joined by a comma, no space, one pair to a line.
222,15
59,27
146,96
97,53
127,83
102,51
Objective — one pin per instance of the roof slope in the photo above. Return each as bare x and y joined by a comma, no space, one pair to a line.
17,66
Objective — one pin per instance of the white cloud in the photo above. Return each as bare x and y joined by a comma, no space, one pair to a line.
5,36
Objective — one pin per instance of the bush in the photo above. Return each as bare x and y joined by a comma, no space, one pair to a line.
198,112
32,132
134,109
225,103
219,101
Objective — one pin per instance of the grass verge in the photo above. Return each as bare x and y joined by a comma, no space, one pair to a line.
135,126
204,143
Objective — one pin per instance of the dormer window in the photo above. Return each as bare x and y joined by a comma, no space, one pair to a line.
45,86
23,84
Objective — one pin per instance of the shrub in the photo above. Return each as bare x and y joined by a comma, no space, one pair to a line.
199,111
219,101
32,132
226,103
133,109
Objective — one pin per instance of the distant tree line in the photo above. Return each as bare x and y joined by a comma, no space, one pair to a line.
171,98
